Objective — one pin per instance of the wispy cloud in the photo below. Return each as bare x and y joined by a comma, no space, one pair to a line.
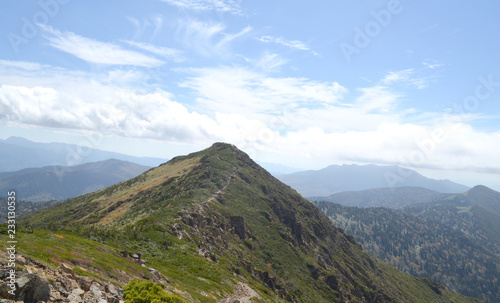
432,64
408,77
96,51
142,25
166,52
224,6
207,38
29,66
294,44
270,62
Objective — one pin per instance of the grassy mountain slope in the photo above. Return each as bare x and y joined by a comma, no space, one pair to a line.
213,218
441,242
63,182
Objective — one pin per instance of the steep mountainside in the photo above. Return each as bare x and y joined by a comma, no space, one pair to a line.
454,245
18,153
63,182
214,218
481,225
339,178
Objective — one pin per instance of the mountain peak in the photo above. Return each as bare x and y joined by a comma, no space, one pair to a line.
480,188
227,218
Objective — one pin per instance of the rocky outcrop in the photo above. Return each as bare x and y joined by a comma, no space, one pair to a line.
32,285
239,227
28,287
242,294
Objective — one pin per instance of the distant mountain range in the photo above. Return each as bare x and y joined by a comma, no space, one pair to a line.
63,182
339,178
404,197
452,238
18,153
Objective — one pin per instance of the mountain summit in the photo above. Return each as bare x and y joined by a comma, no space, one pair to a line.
214,219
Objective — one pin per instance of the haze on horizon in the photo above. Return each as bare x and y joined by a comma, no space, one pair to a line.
300,84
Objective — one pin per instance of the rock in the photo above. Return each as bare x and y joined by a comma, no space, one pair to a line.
242,294
69,283
66,269
32,288
155,272
111,289
55,295
73,298
113,299
85,283
78,292
136,256
20,260
96,291
239,227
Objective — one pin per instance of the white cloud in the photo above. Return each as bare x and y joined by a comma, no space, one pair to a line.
208,38
28,66
432,64
377,99
402,75
239,90
408,77
224,6
166,52
293,121
142,25
121,113
270,62
95,51
294,44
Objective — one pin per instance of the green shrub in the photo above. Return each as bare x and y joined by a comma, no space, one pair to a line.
140,291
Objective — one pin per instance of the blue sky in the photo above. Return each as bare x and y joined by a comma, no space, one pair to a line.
303,84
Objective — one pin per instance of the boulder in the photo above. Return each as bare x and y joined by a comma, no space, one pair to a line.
85,283
111,289
32,288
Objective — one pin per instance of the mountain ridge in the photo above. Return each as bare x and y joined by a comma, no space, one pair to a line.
63,182
218,209
17,153
339,178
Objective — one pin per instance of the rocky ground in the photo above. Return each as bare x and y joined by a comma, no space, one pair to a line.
35,282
